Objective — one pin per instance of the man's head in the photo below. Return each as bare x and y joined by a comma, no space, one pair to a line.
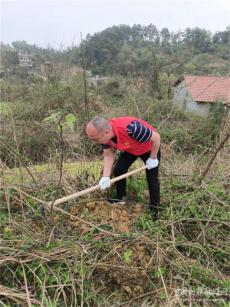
99,130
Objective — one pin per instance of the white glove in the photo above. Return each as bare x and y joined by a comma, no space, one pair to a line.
152,163
104,183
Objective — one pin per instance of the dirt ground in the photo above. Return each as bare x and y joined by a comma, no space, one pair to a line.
101,212
126,268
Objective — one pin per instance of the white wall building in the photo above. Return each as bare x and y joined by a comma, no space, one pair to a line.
198,93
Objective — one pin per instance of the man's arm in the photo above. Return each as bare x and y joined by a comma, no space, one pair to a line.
155,140
109,156
152,161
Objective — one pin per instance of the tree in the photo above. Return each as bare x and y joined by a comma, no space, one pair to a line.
222,37
165,36
9,56
197,38
152,34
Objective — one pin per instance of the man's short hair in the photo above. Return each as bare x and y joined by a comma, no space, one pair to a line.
99,123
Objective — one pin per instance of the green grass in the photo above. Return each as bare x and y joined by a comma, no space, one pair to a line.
187,248
13,176
16,175
5,108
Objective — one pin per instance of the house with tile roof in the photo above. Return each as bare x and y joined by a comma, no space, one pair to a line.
198,93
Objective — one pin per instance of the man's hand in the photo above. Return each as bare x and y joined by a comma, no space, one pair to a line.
152,163
104,183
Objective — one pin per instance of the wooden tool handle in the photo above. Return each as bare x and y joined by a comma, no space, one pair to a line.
86,191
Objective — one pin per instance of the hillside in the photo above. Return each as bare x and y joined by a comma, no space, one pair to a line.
88,252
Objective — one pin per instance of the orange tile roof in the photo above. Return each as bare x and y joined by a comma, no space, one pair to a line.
208,89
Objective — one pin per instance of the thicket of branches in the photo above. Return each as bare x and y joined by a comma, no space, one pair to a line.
27,103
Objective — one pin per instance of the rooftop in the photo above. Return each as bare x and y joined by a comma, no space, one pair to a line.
207,88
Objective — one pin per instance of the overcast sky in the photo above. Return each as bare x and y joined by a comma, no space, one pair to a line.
59,23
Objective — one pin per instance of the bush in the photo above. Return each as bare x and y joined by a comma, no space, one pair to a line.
35,143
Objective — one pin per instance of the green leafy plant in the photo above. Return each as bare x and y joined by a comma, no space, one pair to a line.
127,256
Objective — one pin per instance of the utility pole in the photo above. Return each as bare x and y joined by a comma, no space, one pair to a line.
85,92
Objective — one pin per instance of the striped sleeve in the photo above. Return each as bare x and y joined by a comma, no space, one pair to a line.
139,132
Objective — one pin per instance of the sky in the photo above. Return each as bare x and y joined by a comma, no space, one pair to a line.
59,23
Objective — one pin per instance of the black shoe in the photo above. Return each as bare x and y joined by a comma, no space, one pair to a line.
154,211
114,201
154,215
154,207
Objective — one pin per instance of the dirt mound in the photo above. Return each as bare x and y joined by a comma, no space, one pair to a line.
124,266
127,269
101,212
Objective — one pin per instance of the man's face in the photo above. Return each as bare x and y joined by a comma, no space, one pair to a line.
98,137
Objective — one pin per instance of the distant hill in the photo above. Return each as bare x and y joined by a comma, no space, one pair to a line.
139,50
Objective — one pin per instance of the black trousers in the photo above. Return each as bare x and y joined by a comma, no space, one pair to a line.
125,160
